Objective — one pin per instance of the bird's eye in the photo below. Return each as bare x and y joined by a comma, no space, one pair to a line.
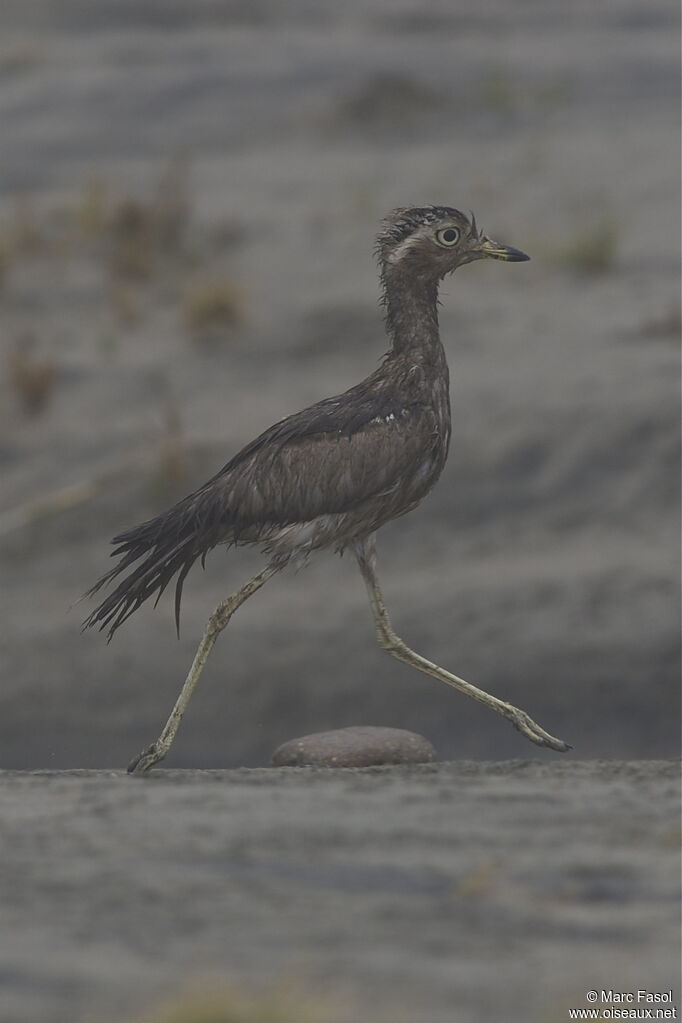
448,237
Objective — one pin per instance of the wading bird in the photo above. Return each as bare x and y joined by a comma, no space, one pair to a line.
330,476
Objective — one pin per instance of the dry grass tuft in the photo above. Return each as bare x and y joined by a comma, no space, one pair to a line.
666,326
4,261
138,251
21,57
146,235
125,303
24,234
229,1004
172,205
477,882
387,100
32,378
133,238
171,469
213,307
93,209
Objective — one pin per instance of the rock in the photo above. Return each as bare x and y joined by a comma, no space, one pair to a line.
358,746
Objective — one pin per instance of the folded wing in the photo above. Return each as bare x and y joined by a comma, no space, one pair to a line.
330,459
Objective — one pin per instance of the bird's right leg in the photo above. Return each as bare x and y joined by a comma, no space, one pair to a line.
365,551
215,625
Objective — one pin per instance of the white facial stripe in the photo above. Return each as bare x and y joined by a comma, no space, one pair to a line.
401,251
414,239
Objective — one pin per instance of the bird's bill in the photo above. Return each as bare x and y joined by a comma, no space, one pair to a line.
493,249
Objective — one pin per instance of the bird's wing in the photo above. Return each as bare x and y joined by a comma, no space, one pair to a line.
325,460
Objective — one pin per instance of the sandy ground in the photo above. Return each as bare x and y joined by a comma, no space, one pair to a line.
453,893
543,567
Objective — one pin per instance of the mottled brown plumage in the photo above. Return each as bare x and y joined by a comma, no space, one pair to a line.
331,475
335,471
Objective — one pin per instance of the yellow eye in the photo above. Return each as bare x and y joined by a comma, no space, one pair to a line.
448,237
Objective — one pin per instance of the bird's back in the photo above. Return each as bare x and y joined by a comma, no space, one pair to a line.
341,468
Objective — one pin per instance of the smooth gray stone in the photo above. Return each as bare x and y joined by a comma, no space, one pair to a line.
357,746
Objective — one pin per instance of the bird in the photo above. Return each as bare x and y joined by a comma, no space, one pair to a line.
328,477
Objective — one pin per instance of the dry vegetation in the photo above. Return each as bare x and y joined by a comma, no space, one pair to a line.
171,466
24,234
213,307
140,254
31,376
593,249
389,102
124,262
135,242
500,91
667,326
231,1004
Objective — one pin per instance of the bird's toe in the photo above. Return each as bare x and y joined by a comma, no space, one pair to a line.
145,760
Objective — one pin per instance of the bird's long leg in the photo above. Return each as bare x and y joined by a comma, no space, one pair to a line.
215,625
365,551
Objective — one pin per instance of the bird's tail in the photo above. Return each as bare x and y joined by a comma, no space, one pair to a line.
164,546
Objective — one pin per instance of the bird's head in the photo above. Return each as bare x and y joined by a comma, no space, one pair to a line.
432,241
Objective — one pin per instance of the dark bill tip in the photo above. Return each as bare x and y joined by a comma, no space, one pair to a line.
513,255
505,252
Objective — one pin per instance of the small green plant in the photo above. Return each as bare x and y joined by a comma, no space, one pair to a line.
554,91
498,91
501,91
593,250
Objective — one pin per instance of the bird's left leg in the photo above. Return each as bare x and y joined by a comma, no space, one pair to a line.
216,623
365,551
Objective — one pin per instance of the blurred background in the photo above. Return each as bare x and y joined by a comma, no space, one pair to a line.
189,196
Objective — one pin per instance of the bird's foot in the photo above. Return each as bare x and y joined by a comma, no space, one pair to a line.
531,729
145,760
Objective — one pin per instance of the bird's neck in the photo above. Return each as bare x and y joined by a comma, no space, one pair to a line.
411,312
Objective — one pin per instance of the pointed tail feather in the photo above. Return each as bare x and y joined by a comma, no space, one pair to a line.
159,549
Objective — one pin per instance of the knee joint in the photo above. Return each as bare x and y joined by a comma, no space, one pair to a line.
220,618
390,643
